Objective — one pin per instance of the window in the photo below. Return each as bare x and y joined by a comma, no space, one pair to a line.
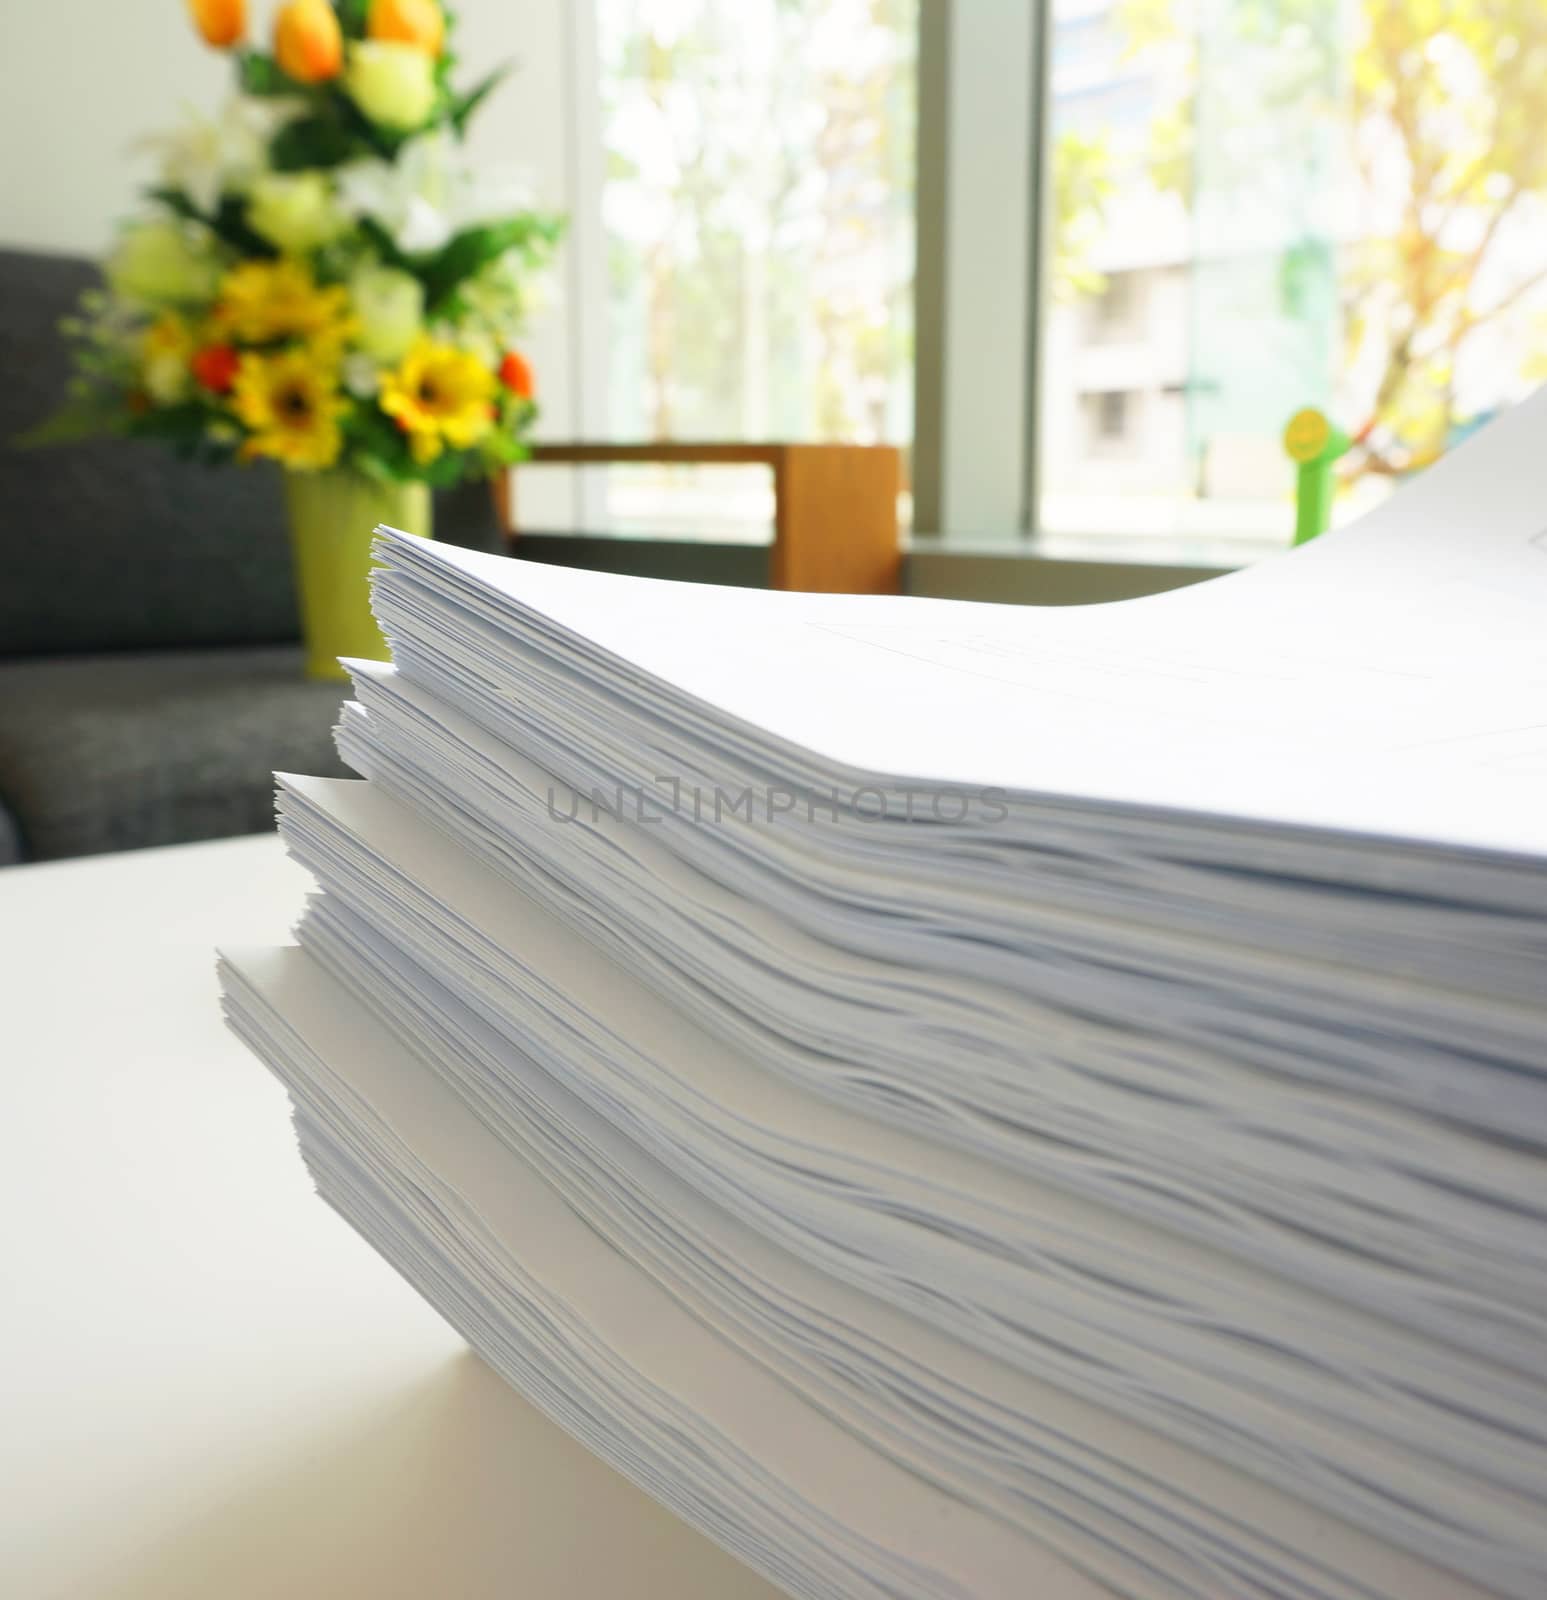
757,211
1116,308
1148,231
1112,415
1321,203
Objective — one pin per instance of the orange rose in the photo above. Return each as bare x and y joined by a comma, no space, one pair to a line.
415,22
516,374
307,42
221,23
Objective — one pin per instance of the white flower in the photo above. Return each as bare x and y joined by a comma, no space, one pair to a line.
394,194
389,306
208,157
429,193
295,211
487,193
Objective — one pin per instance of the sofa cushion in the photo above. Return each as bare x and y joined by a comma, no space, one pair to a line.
115,543
11,851
120,751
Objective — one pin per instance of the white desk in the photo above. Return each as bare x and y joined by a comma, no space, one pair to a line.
209,1388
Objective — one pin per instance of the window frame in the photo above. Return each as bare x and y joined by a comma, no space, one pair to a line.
978,333
977,488
973,467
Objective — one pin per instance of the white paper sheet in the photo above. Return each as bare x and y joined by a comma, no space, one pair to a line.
1389,679
601,1347
1314,1396
1120,1501
1156,1073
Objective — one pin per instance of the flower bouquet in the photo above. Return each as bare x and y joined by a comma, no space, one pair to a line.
324,281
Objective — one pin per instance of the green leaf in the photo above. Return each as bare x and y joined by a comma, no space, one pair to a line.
184,427
470,251
262,75
315,140
81,417
180,424
378,444
230,226
228,223
464,255
176,201
464,105
384,142
351,17
448,468
503,448
384,244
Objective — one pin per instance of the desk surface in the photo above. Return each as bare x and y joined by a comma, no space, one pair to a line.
209,1386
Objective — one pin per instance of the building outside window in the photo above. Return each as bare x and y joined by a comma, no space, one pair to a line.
1327,202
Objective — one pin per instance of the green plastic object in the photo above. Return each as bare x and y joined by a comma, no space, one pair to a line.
1315,445
332,518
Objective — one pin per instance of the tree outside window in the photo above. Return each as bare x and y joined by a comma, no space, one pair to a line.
1331,202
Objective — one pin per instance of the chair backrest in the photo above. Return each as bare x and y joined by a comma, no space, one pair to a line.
115,544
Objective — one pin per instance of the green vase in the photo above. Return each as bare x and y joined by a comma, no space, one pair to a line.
333,516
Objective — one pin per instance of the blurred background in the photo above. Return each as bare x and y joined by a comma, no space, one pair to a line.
1079,261
1083,259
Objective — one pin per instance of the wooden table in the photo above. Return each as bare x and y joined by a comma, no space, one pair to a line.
835,505
210,1388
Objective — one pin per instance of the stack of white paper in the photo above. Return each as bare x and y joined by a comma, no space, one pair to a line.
969,1100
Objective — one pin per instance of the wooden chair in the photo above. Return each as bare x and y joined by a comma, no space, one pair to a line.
835,505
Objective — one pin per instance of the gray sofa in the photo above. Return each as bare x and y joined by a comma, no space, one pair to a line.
149,671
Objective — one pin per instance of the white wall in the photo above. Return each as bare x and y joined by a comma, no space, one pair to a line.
527,123
82,80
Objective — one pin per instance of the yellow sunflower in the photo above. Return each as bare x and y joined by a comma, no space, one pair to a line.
292,405
439,396
262,301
